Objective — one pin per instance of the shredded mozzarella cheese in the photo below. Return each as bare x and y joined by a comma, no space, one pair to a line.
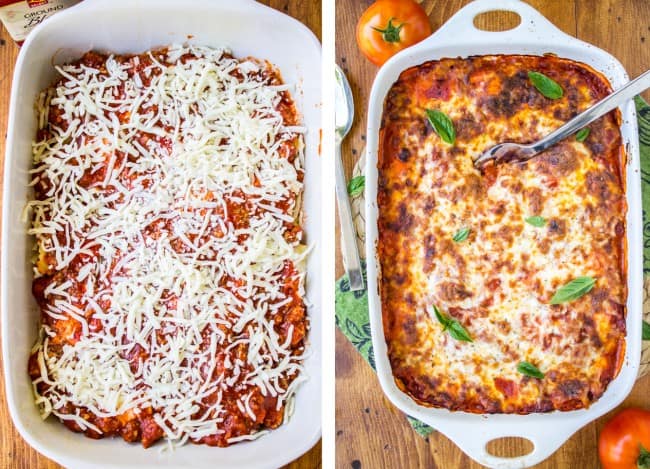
176,151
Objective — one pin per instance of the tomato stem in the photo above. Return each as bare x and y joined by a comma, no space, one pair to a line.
643,461
391,32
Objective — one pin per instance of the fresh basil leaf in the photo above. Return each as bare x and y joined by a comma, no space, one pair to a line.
545,85
461,235
455,328
458,332
442,319
646,331
536,221
356,185
529,369
582,134
442,124
573,290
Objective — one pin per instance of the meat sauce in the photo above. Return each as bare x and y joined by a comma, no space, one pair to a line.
138,424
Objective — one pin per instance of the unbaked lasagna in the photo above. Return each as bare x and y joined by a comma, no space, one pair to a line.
169,268
502,290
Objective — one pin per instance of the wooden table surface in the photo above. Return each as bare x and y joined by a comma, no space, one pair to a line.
370,432
14,452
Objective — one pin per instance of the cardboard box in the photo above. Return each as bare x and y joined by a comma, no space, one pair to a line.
20,17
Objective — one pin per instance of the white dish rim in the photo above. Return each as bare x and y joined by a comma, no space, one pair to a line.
534,35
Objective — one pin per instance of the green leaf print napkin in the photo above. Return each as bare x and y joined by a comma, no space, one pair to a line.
352,307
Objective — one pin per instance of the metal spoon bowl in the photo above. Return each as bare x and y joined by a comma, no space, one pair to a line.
517,153
343,105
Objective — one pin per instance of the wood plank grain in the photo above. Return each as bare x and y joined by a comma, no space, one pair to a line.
621,27
370,431
14,452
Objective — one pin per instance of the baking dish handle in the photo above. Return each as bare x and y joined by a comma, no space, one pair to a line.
545,438
460,27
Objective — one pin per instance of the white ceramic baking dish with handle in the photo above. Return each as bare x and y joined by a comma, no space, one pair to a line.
128,26
534,35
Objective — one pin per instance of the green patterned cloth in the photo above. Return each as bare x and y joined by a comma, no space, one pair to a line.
352,307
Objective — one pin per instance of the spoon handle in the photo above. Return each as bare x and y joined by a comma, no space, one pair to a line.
348,235
602,107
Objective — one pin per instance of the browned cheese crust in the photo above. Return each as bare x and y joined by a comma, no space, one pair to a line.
498,283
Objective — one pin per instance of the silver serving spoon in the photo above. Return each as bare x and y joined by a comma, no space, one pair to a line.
518,153
344,115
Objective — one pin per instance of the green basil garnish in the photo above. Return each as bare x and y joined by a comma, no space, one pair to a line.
461,235
646,331
455,328
529,369
442,124
356,185
536,221
548,87
582,134
573,290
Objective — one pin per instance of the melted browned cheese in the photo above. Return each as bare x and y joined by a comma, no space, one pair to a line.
499,281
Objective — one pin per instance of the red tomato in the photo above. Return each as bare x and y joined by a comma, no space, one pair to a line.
388,26
624,442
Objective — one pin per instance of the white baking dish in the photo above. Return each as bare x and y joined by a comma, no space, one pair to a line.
125,26
534,35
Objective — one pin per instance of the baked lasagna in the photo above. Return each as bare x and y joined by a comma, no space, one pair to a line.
503,290
169,268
